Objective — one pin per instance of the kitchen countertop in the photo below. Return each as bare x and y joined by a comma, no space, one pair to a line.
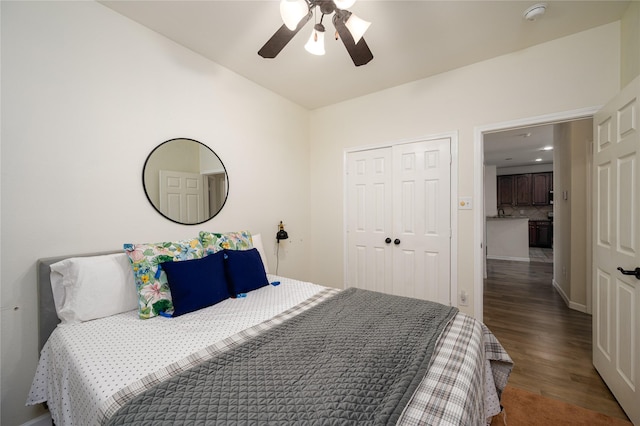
506,217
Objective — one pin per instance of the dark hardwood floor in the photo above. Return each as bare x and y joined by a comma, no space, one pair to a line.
549,343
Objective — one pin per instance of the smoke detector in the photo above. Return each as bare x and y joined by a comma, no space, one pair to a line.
535,11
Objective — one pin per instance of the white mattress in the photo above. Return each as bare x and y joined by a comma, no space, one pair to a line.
82,365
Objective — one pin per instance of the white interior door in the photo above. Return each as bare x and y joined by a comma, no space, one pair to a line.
616,297
398,220
422,216
369,219
182,196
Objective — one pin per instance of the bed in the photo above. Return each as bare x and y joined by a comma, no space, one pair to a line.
289,352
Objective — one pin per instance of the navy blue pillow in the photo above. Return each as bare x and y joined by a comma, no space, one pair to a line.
245,271
197,283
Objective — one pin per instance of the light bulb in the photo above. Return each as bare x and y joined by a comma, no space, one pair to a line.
292,11
315,45
344,4
357,27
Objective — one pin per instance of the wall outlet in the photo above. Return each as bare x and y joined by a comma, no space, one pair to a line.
463,298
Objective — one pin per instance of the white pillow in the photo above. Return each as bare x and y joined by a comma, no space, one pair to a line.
86,288
257,243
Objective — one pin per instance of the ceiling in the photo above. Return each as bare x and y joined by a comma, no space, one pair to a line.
410,40
519,147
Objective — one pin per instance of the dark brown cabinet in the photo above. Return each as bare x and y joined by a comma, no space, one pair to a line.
540,233
528,189
505,190
541,186
523,190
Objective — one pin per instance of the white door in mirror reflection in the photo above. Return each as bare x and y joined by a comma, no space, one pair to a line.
182,196
217,191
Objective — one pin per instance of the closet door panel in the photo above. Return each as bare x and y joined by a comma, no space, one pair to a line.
369,220
425,168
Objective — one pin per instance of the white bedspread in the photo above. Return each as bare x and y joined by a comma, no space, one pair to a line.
82,365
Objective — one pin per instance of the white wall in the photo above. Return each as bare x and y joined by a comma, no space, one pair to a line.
490,191
86,95
629,36
578,71
571,230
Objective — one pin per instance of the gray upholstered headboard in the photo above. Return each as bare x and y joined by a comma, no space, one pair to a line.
47,317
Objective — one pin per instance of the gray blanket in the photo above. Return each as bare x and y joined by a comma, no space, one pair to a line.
354,359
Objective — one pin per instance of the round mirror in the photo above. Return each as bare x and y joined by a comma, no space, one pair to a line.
185,181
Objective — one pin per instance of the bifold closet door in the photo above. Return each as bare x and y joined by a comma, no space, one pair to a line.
398,219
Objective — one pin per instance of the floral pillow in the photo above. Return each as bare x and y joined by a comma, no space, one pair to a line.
154,296
214,242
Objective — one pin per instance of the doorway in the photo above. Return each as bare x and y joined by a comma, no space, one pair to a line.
548,306
480,216
518,197
541,176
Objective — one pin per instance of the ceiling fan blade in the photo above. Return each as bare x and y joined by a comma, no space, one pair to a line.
280,38
359,52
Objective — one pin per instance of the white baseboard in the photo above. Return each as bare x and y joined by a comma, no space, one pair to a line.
572,305
43,420
515,259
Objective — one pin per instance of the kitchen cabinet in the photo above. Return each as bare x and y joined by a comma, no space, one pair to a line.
523,190
505,190
540,233
527,189
541,186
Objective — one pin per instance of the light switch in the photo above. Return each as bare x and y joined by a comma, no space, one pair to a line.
464,203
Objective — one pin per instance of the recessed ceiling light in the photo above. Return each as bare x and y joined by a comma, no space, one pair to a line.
538,159
535,11
547,148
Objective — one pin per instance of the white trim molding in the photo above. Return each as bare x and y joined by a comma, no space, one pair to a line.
572,305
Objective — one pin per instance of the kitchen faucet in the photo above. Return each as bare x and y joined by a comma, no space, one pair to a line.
501,213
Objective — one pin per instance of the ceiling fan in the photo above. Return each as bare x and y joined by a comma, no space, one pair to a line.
296,13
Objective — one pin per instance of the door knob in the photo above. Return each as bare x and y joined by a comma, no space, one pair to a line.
388,240
635,272
396,241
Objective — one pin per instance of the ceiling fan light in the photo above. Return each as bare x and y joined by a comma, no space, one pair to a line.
357,27
344,4
292,11
315,45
